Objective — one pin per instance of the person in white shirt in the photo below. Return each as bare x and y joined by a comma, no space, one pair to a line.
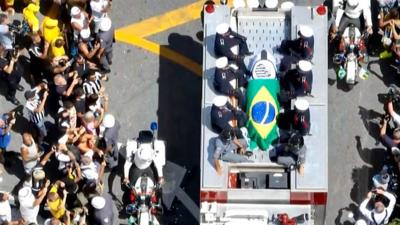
143,152
99,10
380,214
29,205
349,12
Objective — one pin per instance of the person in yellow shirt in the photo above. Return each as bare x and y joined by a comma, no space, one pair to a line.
57,47
50,29
29,13
55,203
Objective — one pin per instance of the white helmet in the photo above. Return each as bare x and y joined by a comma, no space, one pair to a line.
105,24
306,31
301,104
108,121
98,202
271,4
222,28
305,66
85,33
353,3
221,62
220,100
75,11
253,3
361,222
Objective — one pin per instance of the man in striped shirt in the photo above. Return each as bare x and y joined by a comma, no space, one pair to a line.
92,84
35,105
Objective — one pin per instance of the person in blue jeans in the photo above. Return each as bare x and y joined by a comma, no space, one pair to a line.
7,120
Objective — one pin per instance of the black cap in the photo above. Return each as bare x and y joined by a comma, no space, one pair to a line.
29,94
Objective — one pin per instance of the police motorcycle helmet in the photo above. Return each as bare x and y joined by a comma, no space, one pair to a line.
305,31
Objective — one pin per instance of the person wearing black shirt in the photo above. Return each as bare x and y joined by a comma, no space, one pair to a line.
38,54
80,102
12,71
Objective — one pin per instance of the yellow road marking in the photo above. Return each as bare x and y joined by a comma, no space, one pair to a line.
160,50
165,21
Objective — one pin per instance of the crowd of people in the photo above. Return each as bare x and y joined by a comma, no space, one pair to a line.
66,58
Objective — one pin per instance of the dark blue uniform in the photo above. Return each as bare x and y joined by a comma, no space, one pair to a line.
220,117
224,43
222,79
298,83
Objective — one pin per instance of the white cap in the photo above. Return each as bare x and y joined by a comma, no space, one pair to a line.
85,33
98,202
221,62
361,222
253,3
271,4
220,100
353,3
395,151
306,31
108,121
63,139
75,11
305,66
239,3
286,6
63,157
105,24
222,28
25,196
301,104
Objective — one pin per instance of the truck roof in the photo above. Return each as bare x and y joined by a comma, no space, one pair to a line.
266,29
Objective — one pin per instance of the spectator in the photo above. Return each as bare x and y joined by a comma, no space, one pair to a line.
92,84
106,39
72,117
85,47
87,145
50,29
91,123
64,89
38,54
7,120
29,13
99,11
379,214
79,21
29,153
35,105
102,210
5,208
92,174
6,39
56,202
80,103
13,72
57,48
29,205
83,67
388,141
392,113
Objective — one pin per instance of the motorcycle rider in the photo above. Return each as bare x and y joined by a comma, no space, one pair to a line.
141,153
348,12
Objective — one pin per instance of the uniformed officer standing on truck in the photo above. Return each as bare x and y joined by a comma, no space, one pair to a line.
230,81
298,82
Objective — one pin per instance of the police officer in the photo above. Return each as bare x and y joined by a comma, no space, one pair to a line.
303,46
229,81
226,39
298,82
224,116
349,12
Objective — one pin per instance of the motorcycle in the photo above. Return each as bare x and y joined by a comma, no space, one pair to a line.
145,202
144,193
353,51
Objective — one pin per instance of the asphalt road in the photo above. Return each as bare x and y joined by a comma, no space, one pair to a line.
145,87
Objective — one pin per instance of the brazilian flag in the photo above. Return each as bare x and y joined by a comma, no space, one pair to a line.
262,109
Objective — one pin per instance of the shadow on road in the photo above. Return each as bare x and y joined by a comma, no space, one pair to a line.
370,119
179,115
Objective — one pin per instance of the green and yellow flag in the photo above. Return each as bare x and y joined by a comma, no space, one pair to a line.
262,110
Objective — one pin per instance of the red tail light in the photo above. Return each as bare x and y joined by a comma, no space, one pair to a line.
132,197
321,10
214,196
153,210
307,198
209,8
154,198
